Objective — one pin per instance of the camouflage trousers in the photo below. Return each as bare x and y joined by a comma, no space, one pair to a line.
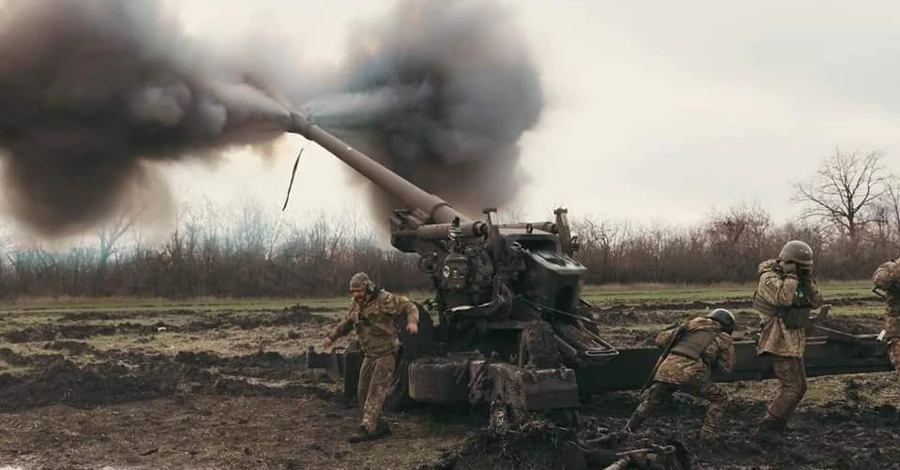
791,372
374,386
894,353
660,392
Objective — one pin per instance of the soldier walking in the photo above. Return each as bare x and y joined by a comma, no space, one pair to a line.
786,294
693,351
371,315
887,278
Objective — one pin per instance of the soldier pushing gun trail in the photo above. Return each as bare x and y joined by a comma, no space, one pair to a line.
692,350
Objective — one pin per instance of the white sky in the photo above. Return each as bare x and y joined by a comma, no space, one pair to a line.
658,110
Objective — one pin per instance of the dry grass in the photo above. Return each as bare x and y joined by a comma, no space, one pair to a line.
599,295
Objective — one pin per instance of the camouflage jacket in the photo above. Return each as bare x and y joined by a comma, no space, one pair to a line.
373,320
782,291
887,278
685,371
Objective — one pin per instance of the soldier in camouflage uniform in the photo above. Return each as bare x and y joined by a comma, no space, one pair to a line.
704,343
371,315
887,278
784,297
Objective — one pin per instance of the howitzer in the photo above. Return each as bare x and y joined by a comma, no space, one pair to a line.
512,328
510,291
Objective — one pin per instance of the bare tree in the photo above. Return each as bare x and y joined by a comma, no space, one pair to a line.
738,223
843,190
893,205
881,231
736,239
109,235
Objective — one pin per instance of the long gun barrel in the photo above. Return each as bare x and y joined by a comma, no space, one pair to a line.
433,208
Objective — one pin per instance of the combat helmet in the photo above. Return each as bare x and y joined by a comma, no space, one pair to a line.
361,281
724,318
798,252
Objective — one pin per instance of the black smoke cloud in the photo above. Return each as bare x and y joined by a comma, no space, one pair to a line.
94,93
93,90
439,91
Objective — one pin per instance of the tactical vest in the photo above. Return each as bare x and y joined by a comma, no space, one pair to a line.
892,316
794,317
376,330
694,343
893,304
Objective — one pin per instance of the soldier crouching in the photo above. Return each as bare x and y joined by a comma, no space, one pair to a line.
887,278
786,294
371,315
704,343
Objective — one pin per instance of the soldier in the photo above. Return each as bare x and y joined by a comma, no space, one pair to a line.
704,343
887,278
371,315
784,297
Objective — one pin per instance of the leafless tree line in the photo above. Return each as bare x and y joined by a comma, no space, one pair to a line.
849,214
728,247
251,254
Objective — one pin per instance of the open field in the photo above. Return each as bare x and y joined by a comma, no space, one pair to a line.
220,383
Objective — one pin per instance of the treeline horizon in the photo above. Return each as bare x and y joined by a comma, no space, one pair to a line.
260,255
850,217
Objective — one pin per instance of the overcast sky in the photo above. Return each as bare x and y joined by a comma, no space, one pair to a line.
657,110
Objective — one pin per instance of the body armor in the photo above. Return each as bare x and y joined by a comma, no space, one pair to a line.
694,343
794,317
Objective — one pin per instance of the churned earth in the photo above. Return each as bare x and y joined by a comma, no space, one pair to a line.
220,388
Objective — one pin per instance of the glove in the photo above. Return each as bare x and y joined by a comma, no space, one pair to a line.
789,268
805,276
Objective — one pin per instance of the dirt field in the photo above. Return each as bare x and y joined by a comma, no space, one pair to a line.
223,386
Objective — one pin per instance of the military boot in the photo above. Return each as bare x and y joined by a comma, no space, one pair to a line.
358,436
363,434
383,428
771,430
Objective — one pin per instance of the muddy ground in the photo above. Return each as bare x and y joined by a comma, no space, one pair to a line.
229,390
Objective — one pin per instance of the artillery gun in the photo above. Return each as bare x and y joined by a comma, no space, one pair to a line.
512,330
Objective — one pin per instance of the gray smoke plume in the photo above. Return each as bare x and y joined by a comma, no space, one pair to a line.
439,91
94,92
91,90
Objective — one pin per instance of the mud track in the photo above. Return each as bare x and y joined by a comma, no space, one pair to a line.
124,377
63,330
74,399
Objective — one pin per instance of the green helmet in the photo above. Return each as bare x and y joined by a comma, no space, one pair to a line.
360,281
724,318
797,252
